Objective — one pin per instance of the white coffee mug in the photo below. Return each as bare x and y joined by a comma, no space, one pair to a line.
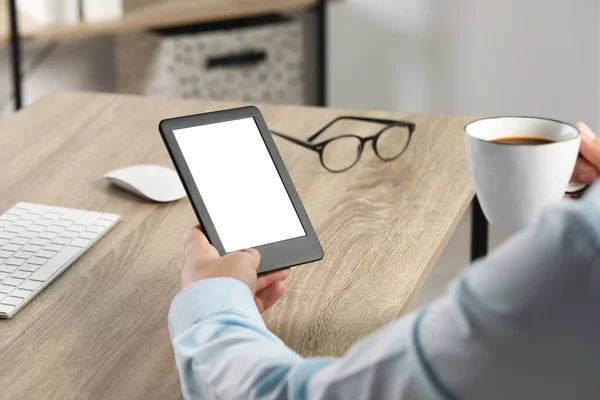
516,182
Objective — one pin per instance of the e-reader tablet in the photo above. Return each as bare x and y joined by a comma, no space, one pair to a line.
239,187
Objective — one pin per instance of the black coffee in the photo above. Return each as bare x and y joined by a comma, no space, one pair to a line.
523,140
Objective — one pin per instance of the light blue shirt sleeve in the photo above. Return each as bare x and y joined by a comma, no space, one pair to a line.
524,323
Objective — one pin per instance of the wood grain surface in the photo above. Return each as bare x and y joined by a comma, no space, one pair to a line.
100,330
155,14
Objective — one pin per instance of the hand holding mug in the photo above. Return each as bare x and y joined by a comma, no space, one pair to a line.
587,169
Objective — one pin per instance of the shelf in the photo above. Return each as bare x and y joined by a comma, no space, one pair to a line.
161,14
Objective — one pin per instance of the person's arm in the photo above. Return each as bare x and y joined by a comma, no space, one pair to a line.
521,324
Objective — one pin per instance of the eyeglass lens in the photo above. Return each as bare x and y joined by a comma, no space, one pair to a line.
392,142
341,153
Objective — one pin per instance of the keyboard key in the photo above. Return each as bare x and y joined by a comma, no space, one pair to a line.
28,234
45,254
11,247
20,240
25,255
29,267
30,285
36,228
39,241
47,235
73,215
4,309
4,224
103,222
3,242
39,209
76,228
14,229
88,218
8,217
12,301
6,254
55,264
80,242
15,261
8,268
31,248
30,217
58,210
7,235
52,215
88,235
55,228
3,275
95,229
61,241
44,222
21,275
2,296
16,211
12,282
53,247
62,222
20,293
68,234
24,206
23,222
6,289
37,261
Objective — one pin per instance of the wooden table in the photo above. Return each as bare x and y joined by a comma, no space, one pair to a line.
100,330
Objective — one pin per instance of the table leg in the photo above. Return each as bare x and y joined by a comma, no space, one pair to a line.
15,45
479,232
321,11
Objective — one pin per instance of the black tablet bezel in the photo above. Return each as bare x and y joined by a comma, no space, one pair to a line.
284,254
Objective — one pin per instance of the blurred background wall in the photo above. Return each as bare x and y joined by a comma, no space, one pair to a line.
469,57
457,57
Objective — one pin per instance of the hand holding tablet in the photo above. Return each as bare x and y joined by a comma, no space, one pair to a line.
239,187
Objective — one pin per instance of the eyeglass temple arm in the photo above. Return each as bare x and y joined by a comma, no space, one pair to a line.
296,141
410,125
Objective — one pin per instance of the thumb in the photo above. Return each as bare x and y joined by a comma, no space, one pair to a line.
249,258
255,257
590,145
242,265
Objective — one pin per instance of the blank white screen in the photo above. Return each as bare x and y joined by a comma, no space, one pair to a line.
239,184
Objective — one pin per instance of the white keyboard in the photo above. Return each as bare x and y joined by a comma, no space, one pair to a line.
37,243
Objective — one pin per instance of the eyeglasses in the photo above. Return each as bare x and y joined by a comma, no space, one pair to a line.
341,153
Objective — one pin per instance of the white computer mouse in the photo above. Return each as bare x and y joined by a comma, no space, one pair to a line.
150,182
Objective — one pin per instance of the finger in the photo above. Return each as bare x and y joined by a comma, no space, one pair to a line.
197,244
269,296
195,235
259,305
590,145
584,172
267,279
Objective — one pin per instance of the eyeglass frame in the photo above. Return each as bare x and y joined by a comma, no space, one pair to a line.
319,147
